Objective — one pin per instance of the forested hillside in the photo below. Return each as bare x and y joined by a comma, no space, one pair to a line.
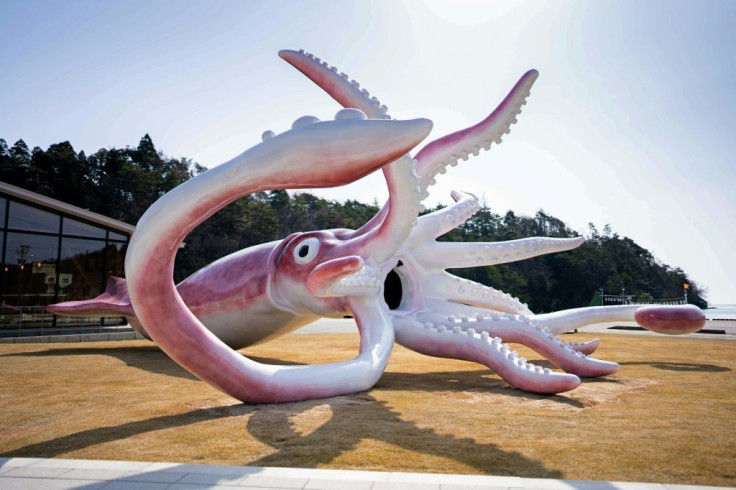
122,183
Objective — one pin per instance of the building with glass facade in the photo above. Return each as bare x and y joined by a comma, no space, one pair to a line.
53,252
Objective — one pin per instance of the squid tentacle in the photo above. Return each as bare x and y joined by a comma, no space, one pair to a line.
384,240
522,329
566,320
338,86
455,343
397,215
680,319
452,288
446,151
438,223
453,255
437,155
586,348
329,153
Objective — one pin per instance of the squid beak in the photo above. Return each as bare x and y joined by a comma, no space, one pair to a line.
342,277
325,275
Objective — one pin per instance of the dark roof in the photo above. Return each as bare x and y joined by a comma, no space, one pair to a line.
65,208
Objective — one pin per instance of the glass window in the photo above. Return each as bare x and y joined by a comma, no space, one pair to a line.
74,227
3,270
3,202
118,236
114,320
116,259
81,268
24,217
30,269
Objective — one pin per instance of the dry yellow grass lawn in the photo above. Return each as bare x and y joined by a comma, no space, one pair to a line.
668,416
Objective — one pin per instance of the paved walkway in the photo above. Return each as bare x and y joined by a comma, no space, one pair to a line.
332,325
51,474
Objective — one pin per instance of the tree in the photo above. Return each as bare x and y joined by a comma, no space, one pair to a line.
16,163
8,168
123,183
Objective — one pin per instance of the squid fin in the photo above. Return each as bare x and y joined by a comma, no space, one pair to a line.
114,301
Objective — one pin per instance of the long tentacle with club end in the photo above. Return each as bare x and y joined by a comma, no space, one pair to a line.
672,320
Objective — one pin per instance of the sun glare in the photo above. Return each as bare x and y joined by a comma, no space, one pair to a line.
471,12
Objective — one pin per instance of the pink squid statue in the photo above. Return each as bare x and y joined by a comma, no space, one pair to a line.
390,274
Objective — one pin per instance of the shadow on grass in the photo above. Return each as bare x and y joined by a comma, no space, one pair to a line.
355,418
148,358
152,359
680,366
360,417
102,435
669,366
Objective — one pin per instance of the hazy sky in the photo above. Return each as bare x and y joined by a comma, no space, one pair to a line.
631,122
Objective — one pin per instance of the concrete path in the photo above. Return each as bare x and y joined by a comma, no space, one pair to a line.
52,474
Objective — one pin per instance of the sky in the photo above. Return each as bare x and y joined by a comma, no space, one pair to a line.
631,122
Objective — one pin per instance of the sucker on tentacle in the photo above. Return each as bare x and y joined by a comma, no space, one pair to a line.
384,240
456,343
438,223
345,91
452,288
523,330
477,254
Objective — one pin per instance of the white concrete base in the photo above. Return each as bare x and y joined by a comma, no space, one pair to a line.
29,473
78,337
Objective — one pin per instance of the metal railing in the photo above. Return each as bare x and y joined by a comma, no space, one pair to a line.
27,321
612,299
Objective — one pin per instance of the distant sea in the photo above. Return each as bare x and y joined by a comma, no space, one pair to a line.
720,312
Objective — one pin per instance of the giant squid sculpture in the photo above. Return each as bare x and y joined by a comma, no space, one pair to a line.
390,275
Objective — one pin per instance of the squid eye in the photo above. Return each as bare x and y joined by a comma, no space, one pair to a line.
306,250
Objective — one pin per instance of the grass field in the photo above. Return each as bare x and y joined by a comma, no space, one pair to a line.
668,416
